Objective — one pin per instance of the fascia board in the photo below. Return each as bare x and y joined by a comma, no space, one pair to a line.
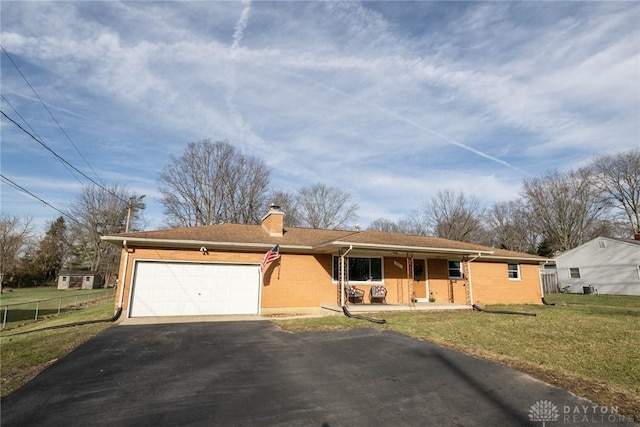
514,258
142,241
377,246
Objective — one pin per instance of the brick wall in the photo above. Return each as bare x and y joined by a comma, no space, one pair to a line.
299,280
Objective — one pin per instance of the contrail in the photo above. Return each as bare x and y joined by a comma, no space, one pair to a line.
238,33
407,120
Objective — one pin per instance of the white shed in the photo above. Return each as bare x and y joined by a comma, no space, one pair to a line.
79,279
611,266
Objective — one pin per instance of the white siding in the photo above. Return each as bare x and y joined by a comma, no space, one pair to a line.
609,265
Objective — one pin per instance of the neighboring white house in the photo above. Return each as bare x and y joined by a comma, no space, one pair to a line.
611,266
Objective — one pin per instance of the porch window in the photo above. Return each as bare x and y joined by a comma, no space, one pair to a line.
574,273
455,269
360,269
513,271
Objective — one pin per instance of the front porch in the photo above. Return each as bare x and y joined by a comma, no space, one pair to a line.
379,308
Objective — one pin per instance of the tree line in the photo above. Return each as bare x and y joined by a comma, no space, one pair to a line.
212,183
555,212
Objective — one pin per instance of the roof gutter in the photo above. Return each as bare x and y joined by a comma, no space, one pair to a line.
513,258
143,241
398,248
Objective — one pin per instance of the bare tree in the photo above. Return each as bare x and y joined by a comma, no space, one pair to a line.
15,234
510,227
417,223
100,211
212,182
325,207
567,209
384,224
619,177
450,215
288,204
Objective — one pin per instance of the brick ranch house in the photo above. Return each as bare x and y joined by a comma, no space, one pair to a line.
215,269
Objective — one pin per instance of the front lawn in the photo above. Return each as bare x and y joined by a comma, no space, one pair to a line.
586,343
24,355
25,295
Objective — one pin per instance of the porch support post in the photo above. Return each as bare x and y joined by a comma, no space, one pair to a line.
469,278
410,278
342,272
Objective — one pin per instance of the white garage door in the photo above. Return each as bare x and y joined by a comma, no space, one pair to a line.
187,289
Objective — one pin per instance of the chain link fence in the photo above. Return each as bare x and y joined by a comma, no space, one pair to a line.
20,313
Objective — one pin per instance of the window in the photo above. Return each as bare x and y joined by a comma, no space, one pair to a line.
574,273
64,278
360,269
87,278
455,269
513,271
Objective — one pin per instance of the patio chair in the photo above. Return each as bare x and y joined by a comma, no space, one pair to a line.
354,294
378,292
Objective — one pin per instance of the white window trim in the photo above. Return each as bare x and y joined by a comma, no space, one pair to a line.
461,277
579,273
514,279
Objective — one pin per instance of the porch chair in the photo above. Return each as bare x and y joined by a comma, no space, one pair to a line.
378,292
354,294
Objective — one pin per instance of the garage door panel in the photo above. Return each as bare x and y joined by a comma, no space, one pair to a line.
172,289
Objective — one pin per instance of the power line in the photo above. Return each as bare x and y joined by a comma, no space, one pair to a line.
48,111
61,158
24,190
36,133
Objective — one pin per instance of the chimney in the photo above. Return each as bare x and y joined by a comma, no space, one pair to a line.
636,236
273,221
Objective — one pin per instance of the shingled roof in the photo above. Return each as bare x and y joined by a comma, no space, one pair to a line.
254,238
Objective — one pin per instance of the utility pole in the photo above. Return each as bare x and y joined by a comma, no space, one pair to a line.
126,228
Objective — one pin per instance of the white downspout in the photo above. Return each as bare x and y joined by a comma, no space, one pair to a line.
470,283
121,282
342,275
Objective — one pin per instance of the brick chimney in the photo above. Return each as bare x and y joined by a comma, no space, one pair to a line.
636,236
273,221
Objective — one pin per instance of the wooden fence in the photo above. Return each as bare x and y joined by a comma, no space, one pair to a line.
549,280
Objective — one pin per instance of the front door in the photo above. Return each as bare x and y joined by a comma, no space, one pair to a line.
419,279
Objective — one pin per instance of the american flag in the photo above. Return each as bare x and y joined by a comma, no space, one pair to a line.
272,255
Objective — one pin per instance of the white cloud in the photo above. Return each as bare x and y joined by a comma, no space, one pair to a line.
392,101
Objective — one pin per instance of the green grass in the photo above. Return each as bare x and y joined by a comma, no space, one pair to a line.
23,356
588,345
25,295
18,307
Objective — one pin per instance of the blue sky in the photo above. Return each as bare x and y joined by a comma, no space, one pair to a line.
391,101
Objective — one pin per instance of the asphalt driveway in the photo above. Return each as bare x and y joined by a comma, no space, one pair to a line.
252,373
